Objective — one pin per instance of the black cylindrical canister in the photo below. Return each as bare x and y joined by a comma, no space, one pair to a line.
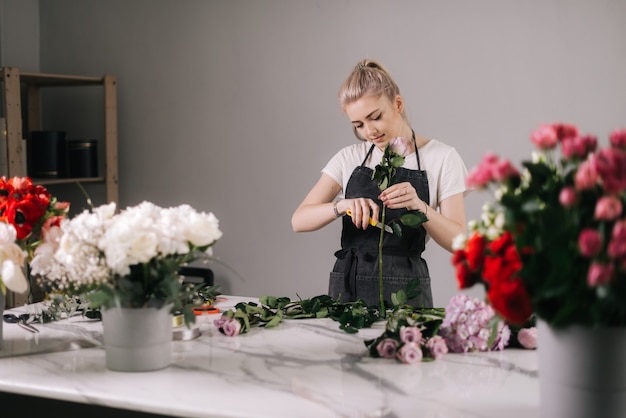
82,156
46,154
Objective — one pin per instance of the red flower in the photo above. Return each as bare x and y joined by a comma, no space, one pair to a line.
503,262
474,252
510,299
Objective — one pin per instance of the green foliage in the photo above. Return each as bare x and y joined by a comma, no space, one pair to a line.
351,316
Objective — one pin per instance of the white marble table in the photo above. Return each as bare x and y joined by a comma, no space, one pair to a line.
302,368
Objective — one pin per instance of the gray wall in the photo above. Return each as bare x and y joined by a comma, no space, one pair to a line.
230,106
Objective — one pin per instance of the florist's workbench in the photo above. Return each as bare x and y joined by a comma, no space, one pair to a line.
302,368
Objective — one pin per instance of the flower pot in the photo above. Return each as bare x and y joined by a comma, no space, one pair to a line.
582,371
137,340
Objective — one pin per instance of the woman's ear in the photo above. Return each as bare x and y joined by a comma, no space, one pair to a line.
399,103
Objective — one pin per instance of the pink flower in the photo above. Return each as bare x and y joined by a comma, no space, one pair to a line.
410,334
400,146
410,353
231,328
544,137
219,322
527,337
586,176
589,242
608,208
491,168
387,348
578,146
610,164
618,138
480,176
565,130
617,245
600,274
503,169
437,347
568,196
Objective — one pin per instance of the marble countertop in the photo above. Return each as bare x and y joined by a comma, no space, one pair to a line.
302,368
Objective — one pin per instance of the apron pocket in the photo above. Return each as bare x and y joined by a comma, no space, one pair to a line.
367,289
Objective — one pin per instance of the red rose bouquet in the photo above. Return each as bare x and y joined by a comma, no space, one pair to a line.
553,243
32,213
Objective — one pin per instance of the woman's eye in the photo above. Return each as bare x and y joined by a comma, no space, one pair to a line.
358,126
377,117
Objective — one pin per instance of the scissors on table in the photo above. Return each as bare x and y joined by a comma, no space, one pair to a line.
22,320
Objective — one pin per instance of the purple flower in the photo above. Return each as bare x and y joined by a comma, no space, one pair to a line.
410,353
219,322
387,348
410,334
231,328
467,326
437,347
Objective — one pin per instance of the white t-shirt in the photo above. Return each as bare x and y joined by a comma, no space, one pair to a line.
444,167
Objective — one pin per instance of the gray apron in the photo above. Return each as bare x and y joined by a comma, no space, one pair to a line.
355,274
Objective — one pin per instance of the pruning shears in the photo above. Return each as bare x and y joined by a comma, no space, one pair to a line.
372,222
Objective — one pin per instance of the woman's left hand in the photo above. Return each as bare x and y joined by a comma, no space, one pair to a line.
401,195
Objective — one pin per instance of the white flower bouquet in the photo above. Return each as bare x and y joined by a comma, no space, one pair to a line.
129,259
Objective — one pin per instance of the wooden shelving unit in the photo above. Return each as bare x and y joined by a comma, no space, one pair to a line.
19,87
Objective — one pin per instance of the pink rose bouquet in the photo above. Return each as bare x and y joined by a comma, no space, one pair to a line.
553,243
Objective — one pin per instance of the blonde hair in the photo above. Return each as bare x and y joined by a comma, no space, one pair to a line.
368,78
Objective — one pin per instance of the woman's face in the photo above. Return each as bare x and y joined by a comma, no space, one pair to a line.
377,119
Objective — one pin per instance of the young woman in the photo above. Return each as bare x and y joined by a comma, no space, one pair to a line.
432,181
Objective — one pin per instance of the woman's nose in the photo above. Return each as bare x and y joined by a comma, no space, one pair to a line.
370,129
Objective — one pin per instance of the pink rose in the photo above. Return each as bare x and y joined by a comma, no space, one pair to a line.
231,328
410,353
544,137
527,337
586,176
478,177
618,138
437,347
589,242
568,196
387,348
610,164
400,146
565,130
600,274
503,170
578,146
219,322
608,208
617,245
410,334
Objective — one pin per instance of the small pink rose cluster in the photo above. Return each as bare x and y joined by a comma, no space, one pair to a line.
491,169
411,347
468,326
228,326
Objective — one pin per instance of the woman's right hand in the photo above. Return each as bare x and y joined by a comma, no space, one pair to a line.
362,210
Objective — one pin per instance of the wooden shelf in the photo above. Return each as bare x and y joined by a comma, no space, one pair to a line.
18,87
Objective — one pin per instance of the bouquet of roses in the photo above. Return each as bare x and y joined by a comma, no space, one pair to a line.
554,241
